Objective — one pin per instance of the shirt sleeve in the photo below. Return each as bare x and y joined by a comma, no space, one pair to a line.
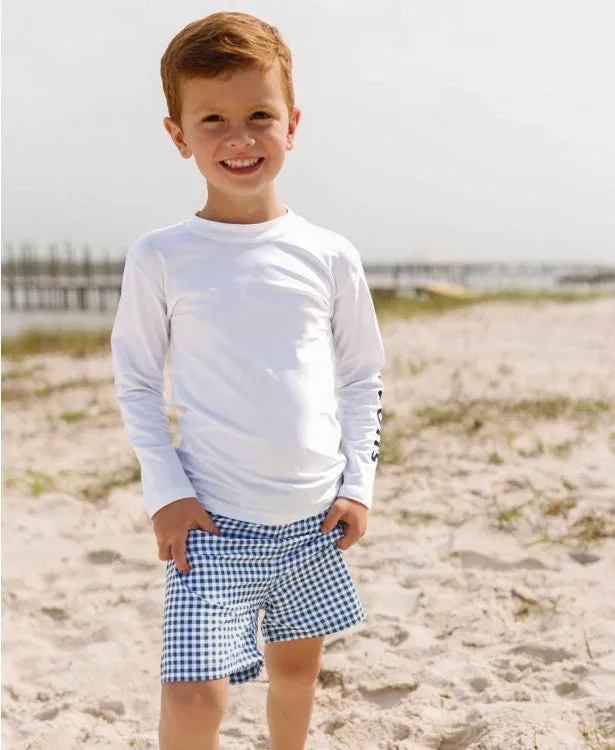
359,357
139,344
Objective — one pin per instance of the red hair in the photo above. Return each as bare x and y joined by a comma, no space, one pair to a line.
223,43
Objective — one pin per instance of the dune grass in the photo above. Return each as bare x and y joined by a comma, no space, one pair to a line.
475,417
122,476
388,304
600,738
36,483
473,413
74,343
17,393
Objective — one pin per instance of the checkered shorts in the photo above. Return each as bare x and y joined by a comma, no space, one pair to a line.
292,572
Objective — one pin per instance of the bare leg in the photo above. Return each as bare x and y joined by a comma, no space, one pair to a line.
191,713
293,668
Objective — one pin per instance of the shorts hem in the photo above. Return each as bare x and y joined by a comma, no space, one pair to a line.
235,678
315,632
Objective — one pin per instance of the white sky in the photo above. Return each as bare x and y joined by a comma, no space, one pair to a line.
432,129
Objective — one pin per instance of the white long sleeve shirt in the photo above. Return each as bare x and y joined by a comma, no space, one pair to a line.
274,363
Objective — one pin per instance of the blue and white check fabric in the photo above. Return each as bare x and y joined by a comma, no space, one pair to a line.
293,573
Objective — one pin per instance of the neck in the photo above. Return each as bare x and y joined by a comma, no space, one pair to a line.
231,210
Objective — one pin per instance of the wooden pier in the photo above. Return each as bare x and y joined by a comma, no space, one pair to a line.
66,279
60,280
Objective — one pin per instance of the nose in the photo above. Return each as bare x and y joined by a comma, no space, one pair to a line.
240,139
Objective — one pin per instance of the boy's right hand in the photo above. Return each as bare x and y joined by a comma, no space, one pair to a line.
171,526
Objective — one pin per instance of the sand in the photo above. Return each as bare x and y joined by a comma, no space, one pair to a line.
488,569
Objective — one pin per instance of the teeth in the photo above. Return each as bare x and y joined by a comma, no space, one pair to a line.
240,163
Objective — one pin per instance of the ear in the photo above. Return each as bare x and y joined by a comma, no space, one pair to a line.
292,127
177,137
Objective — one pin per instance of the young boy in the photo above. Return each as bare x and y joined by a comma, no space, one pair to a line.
275,359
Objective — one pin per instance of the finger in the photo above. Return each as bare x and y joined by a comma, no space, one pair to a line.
206,524
331,519
164,551
351,536
178,550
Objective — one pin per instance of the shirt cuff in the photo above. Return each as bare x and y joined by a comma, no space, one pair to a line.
359,494
160,500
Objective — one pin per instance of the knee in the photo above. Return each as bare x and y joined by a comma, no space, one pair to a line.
188,705
294,675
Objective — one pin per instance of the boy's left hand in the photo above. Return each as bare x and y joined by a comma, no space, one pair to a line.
353,514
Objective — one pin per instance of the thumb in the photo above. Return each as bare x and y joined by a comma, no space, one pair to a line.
333,516
205,523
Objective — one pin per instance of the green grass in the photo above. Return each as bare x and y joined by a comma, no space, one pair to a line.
557,508
598,739
591,529
35,483
19,394
473,413
389,304
20,372
122,477
587,531
74,343
506,517
40,483
526,609
563,449
70,417
474,416
495,459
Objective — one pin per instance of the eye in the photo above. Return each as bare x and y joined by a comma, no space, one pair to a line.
260,115
211,118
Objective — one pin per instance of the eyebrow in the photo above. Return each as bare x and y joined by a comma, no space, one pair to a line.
218,110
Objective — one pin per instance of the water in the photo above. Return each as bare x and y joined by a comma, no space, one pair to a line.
486,279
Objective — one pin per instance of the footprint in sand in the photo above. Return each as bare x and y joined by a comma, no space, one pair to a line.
108,710
103,557
462,739
478,684
335,646
48,714
390,696
583,557
330,678
401,732
546,654
56,613
332,726
139,566
470,559
389,633
566,688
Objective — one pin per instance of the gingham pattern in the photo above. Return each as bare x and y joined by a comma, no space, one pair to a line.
293,572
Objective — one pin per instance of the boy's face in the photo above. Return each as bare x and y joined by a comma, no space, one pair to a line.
238,128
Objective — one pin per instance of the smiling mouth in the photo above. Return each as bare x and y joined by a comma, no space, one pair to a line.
243,166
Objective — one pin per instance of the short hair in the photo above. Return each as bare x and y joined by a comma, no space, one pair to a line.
223,43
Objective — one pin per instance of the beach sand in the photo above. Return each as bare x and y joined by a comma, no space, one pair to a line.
488,569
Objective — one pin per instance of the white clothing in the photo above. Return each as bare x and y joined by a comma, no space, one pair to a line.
274,362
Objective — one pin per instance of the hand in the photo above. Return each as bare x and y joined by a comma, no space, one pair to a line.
353,514
171,526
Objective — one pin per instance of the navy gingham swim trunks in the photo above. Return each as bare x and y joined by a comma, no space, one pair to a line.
293,573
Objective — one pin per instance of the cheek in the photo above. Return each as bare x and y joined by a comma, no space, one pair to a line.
276,140
205,143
